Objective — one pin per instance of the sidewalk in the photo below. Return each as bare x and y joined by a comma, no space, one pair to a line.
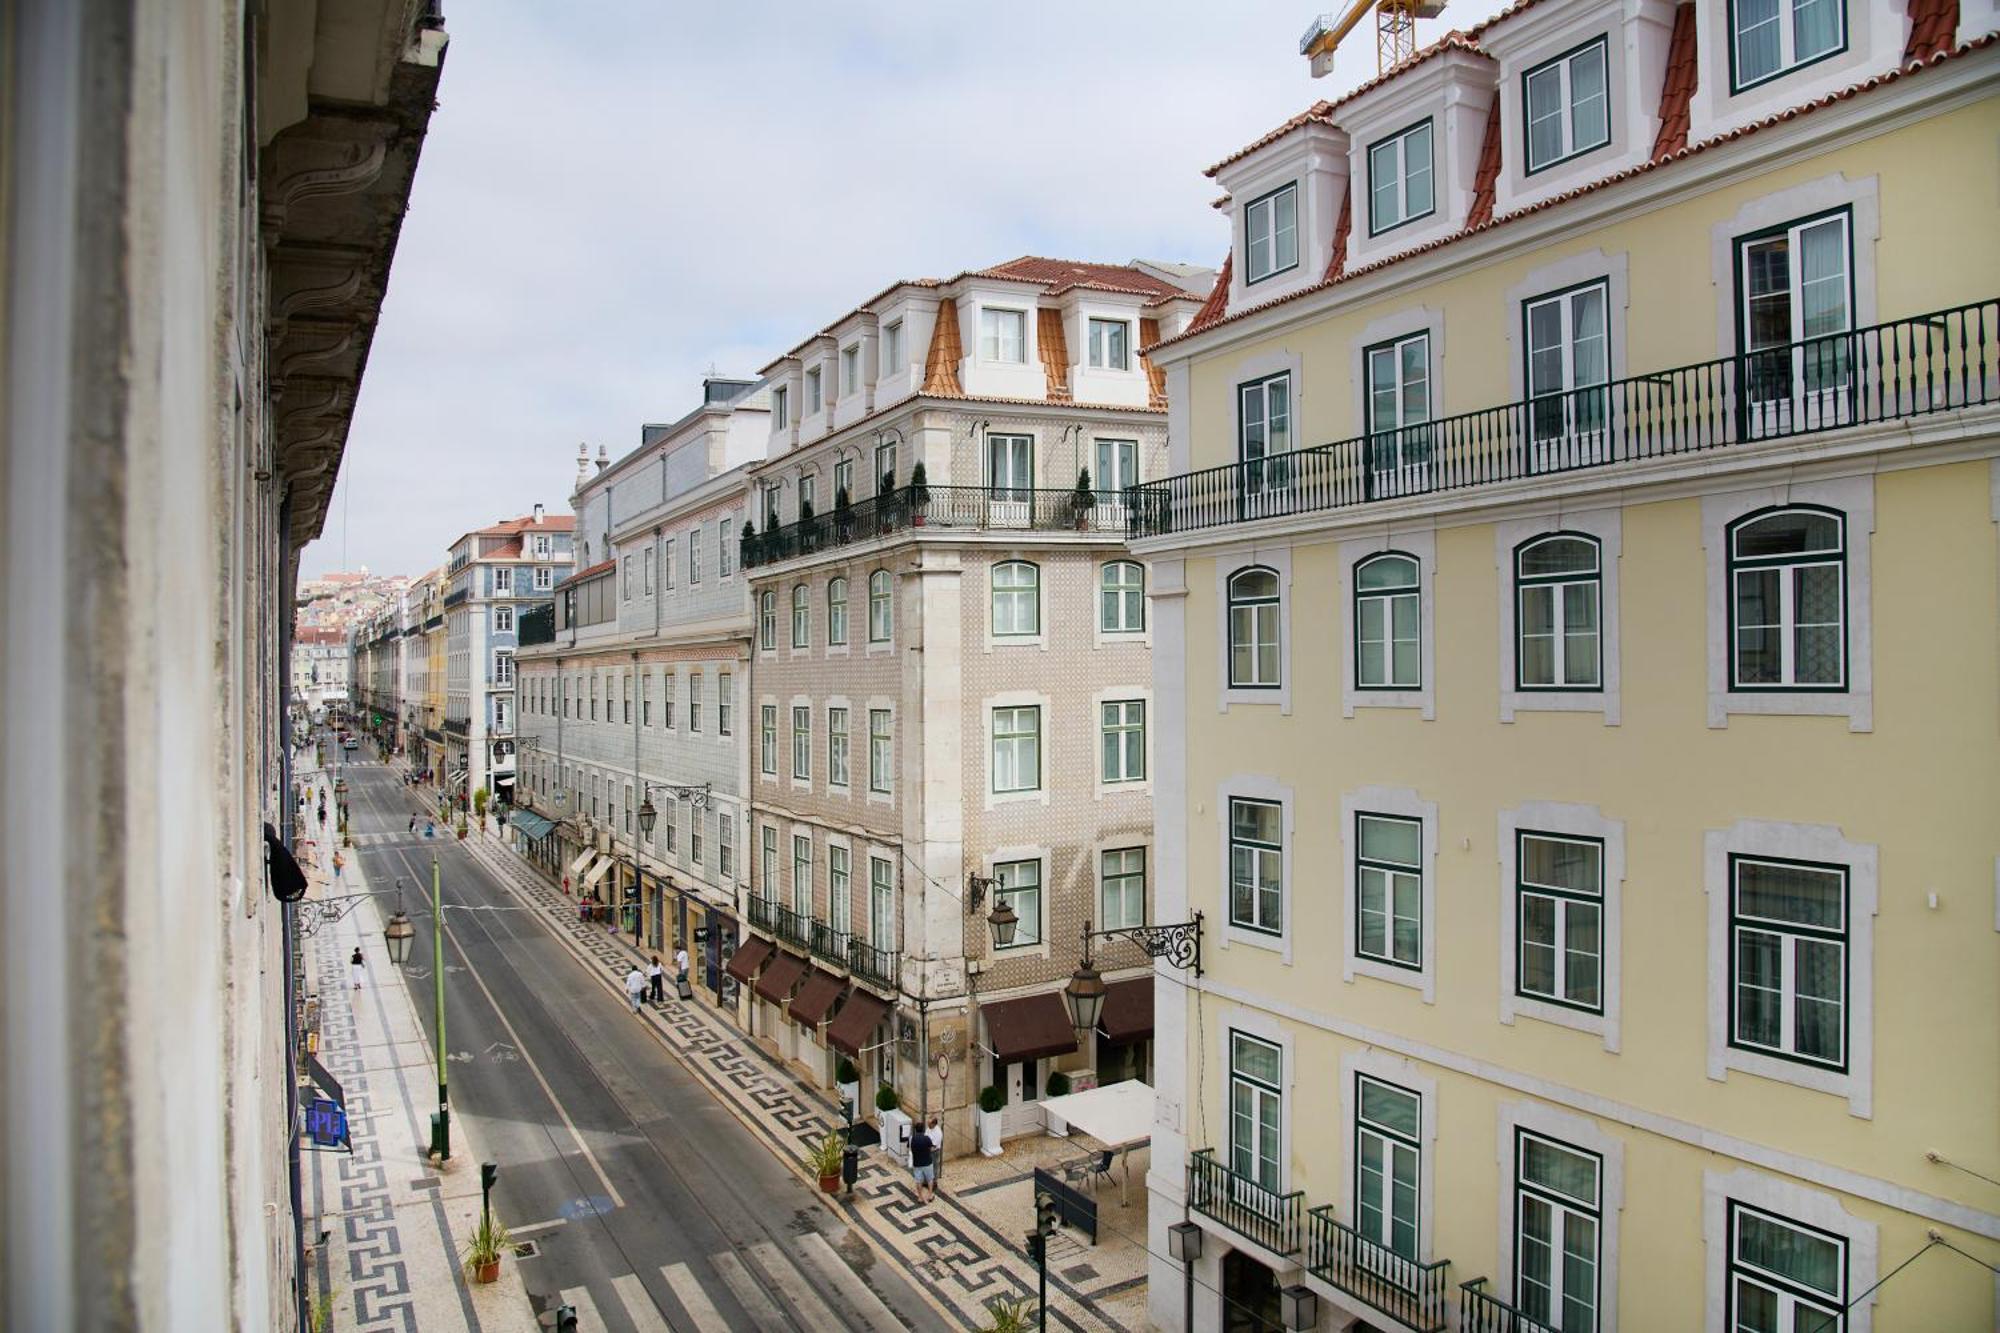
961,1259
396,1227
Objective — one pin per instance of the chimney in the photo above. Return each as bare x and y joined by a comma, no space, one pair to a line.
538,515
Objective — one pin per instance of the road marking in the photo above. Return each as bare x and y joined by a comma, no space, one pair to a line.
534,1227
578,1299
812,1311
748,1293
838,1271
694,1300
639,1307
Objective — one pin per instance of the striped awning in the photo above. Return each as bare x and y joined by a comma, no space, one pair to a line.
599,871
583,859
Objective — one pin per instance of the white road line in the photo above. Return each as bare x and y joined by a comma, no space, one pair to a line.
520,1233
749,1294
812,1312
837,1271
694,1300
578,1299
639,1307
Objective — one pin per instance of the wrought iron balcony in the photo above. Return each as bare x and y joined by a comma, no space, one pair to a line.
829,944
1256,1211
761,911
873,966
791,927
1481,1313
1006,508
1905,368
1410,1292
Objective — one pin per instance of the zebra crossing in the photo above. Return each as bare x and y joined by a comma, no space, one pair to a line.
760,1286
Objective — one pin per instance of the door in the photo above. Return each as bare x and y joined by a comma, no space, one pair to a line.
1022,1082
1387,1171
1117,469
1797,310
1010,480
1399,415
1568,364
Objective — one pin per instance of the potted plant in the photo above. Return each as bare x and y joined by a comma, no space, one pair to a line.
991,1102
806,528
1010,1315
749,556
920,494
461,828
889,1116
823,1160
843,514
482,1256
1082,500
1055,1124
847,1085
479,800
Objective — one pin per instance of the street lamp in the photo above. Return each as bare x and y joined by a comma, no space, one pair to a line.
399,933
399,951
1179,944
1184,1246
695,796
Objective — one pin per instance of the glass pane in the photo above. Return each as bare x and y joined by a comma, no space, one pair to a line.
1256,820
1284,240
1590,348
1756,1309
1371,915
1815,28
1370,634
1800,1256
1417,171
1403,1201
1256,1059
1538,944
1588,104
1390,1107
1768,285
1816,607
1582,945
1242,886
1537,1258
1398,841
1757,50
1758,998
1579,1312
1416,373
1803,895
1389,571
1384,182
1538,666
1554,1167
1254,583
1816,1014
1558,555
1560,863
1408,666
1409,909
1545,122
1368,1186
1277,395
1795,532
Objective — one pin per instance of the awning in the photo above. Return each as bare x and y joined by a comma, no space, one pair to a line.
1128,1010
1029,1028
1116,1115
532,825
779,978
815,999
598,871
856,1022
582,860
743,964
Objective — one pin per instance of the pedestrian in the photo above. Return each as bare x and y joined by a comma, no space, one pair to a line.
923,1164
680,962
635,987
656,979
357,967
413,823
565,886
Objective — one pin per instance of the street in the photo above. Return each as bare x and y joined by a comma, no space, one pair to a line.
649,1205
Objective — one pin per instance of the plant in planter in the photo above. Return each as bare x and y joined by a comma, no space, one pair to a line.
823,1160
843,514
749,554
991,1102
920,494
806,528
1082,500
489,1242
1058,1084
1053,1123
847,1084
461,826
886,1099
479,800
1010,1316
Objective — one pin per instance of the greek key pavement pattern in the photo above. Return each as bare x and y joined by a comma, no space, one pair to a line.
963,1262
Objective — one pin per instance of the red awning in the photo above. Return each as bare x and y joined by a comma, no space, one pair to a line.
749,956
779,978
1128,1010
1029,1028
815,999
856,1022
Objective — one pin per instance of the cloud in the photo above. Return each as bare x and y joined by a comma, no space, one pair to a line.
615,197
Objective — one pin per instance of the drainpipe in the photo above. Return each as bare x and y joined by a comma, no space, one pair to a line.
639,789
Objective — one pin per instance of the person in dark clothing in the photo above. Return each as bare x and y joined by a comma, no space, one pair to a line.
923,1165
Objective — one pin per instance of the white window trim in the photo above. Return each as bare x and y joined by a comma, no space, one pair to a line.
1045,856
1800,842
1607,526
1278,559
1862,200
1404,1073
788,750
845,844
1044,778
1583,821
880,703
870,647
1040,638
845,646
842,789
1121,694
1257,787
789,609
1111,842
777,741
1264,1027
1101,637
1855,498
1812,1207
1581,1132
1395,327
1613,270
1405,803
1029,352
1422,545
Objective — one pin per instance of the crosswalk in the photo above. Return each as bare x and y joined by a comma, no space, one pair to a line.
760,1286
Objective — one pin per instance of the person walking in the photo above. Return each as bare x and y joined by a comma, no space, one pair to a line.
635,987
680,962
656,979
357,967
923,1164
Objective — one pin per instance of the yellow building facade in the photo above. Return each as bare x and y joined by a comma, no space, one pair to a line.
1577,655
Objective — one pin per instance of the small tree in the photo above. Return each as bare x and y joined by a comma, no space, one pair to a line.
843,514
806,532
991,1099
749,556
1082,500
920,492
845,1072
886,1098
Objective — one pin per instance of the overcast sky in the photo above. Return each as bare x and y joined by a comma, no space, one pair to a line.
616,196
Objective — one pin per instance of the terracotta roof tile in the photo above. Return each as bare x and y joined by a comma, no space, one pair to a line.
592,572
1487,173
1317,111
1216,308
1933,29
1338,262
941,362
1059,275
1156,379
1054,347
1683,74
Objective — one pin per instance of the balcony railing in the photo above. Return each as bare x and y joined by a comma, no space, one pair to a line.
878,967
1007,508
830,945
1249,1209
1905,368
1410,1292
791,927
761,912
1480,1313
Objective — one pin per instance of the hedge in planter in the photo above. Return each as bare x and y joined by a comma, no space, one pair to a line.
991,1099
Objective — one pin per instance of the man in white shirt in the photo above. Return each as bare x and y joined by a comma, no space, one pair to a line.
635,987
680,961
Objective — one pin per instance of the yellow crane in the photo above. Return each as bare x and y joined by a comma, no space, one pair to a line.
1395,32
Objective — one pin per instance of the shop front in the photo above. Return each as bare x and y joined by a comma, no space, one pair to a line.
1125,1032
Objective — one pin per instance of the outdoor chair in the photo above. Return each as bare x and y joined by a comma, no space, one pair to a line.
1099,1168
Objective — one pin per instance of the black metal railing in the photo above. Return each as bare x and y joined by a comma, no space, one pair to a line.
760,914
1244,1206
791,927
830,944
1905,368
1481,1313
1414,1293
877,967
1011,508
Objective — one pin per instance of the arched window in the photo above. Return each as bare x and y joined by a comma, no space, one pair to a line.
767,620
1121,598
881,612
1253,629
1788,600
836,611
1017,600
801,617
1559,592
1388,646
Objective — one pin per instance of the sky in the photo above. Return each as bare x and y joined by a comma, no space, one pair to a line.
615,197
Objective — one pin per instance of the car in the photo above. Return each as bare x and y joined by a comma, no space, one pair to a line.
350,744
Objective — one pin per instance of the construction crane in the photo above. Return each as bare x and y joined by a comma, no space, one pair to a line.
1395,32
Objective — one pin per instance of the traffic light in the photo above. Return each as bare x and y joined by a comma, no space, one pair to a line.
1045,1212
1036,1247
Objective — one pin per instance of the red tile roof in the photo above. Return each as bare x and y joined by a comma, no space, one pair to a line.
941,362
508,527
1933,29
1054,347
1060,275
1216,307
1156,379
1677,92
1341,228
592,572
1487,173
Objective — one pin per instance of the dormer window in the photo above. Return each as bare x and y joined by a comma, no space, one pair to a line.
1773,37
1568,106
1271,233
1110,344
850,369
780,409
813,403
1003,336
892,348
1400,185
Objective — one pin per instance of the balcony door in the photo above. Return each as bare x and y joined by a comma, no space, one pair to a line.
1264,442
1388,1164
1796,288
1399,414
1569,361
1010,480
1117,468
1256,1119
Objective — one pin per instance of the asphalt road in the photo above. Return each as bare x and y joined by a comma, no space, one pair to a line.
650,1205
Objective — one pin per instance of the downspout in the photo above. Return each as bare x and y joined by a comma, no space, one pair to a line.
294,1164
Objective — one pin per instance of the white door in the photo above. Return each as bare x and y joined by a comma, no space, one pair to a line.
1568,364
1010,480
1798,364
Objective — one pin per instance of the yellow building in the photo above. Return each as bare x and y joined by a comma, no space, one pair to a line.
1583,535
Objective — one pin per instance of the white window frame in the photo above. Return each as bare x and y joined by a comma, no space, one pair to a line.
503,620
545,578
767,739
1562,819
1578,1133
1788,58
1012,596
1799,1204
726,548
801,617
695,678
1422,547
1030,709
840,885
1267,221
993,341
1558,587
1123,725
802,860
815,392
1377,154
1120,597
1257,787
725,703
1607,527
850,369
1562,68
881,610
839,742
646,562
1124,917
1408,1075
1260,608
881,752
1787,623
1581,410
1260,1092
836,612
892,348
781,417
801,736
1025,938
767,621
1105,336
1403,803
1380,658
